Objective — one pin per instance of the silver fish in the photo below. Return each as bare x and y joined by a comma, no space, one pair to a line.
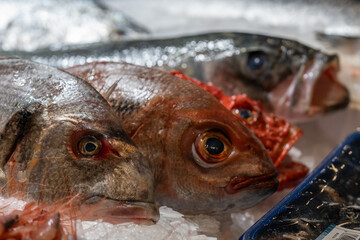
289,78
29,25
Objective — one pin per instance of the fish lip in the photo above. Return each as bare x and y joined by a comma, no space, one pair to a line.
239,183
117,211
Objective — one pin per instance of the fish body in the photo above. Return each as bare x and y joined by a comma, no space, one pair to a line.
290,79
61,23
60,139
204,159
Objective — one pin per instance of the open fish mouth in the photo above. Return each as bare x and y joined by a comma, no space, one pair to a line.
239,183
328,93
313,90
118,211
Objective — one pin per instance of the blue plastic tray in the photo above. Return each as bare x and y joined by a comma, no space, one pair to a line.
329,195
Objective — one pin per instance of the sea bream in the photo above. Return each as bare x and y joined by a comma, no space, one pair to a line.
204,159
59,139
290,79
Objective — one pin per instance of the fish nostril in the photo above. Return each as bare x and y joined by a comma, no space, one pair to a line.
250,148
116,153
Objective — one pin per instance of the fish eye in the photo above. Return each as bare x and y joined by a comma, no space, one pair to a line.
89,146
257,62
211,147
214,146
243,113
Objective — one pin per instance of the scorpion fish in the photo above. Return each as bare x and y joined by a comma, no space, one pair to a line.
277,134
290,79
59,138
205,160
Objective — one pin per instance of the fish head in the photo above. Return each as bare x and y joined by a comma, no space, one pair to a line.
75,146
290,79
277,135
218,165
90,158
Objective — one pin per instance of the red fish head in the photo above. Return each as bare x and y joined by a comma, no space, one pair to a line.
215,151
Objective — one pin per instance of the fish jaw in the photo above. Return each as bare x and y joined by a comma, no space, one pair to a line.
116,212
313,90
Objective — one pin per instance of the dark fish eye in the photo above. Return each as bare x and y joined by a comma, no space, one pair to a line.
211,147
256,61
214,146
89,146
243,113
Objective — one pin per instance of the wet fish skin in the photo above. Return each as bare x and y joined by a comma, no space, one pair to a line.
283,74
165,116
46,114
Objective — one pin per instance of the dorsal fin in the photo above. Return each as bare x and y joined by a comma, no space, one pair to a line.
111,89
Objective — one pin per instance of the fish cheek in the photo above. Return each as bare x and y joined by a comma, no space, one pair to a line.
189,180
51,174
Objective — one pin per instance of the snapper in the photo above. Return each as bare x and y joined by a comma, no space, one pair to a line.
204,159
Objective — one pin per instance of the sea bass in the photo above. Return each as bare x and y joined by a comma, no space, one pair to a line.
290,79
59,138
204,159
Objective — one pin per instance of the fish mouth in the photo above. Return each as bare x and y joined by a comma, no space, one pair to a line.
118,211
328,93
263,181
313,90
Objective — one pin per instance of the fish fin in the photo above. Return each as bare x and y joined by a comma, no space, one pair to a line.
14,131
111,89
